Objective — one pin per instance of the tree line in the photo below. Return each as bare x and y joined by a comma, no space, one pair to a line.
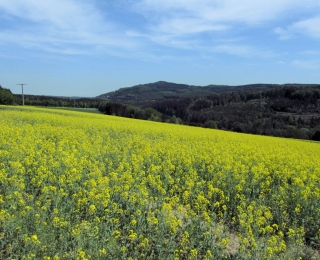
285,111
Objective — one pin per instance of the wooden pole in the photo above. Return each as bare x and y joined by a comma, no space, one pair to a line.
22,93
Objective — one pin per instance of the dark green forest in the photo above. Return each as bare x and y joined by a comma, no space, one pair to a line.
6,97
50,101
286,111
162,91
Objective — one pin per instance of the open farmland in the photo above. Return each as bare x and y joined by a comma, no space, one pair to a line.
86,186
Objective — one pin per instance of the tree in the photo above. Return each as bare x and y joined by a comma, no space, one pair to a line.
316,136
210,124
6,97
152,114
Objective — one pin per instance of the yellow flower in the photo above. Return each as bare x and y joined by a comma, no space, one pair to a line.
116,233
92,209
132,235
102,252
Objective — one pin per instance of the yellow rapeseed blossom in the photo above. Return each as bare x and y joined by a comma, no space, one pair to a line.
79,186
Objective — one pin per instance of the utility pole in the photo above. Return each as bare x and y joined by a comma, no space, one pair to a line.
22,92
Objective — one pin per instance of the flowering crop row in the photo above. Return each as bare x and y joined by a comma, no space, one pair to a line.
85,186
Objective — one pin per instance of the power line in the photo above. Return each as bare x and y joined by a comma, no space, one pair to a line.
22,92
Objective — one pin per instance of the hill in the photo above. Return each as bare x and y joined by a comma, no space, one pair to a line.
277,110
162,90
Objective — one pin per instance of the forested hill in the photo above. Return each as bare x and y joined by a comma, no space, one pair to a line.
284,111
161,91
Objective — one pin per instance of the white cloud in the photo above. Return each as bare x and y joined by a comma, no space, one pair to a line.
181,26
310,27
66,15
83,27
242,50
216,12
238,50
184,21
227,46
68,26
284,34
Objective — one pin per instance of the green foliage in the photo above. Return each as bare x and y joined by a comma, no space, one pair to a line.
287,111
210,124
174,120
152,114
51,101
163,91
6,97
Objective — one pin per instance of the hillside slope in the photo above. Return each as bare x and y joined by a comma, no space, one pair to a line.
161,91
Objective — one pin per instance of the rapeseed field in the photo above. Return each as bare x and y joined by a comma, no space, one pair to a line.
86,186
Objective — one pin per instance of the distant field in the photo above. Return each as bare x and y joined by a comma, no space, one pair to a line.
75,185
87,110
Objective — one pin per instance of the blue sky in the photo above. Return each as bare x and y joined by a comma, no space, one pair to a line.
90,47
